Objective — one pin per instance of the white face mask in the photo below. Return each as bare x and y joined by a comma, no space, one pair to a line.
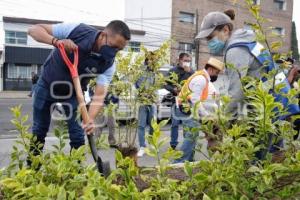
186,64
287,70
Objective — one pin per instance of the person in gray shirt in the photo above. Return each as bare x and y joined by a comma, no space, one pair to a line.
248,58
217,29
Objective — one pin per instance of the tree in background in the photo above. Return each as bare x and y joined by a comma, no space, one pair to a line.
294,45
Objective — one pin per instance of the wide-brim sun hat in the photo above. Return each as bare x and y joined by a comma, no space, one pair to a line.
216,63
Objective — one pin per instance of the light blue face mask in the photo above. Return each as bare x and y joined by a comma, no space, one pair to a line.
216,46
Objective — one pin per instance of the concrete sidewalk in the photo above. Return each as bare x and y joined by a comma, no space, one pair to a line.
14,95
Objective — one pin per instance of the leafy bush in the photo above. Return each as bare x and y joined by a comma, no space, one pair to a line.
228,174
232,171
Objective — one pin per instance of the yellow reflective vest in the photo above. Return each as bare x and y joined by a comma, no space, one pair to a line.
185,92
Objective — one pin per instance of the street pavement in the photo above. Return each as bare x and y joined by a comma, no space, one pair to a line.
7,130
8,135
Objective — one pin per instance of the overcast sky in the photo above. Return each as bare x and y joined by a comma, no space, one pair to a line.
89,11
98,12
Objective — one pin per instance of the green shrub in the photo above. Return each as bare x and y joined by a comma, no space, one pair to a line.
232,171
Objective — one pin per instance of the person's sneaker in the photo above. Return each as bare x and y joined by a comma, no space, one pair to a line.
141,152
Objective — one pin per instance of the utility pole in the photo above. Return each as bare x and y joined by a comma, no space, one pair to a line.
196,42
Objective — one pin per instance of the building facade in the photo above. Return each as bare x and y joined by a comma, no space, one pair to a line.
21,55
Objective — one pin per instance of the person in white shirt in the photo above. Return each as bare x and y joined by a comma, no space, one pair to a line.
197,88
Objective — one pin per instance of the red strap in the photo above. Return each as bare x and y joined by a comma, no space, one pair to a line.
72,66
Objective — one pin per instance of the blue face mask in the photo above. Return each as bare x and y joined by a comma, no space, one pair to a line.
216,46
105,56
107,52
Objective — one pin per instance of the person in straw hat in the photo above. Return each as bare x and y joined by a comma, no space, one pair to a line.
197,88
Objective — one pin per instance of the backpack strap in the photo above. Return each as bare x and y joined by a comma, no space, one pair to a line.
258,51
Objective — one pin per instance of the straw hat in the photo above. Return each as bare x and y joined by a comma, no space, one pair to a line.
216,63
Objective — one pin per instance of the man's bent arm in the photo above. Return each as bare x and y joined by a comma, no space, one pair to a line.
41,33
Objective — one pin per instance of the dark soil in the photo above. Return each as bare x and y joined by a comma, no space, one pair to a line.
128,151
146,174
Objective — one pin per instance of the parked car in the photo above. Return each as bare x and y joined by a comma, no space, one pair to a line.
163,110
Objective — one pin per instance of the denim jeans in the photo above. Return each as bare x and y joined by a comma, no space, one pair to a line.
32,89
271,147
190,138
145,116
174,126
42,103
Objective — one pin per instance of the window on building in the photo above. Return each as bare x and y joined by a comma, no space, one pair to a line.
186,17
256,2
278,31
134,46
19,71
280,4
15,37
185,47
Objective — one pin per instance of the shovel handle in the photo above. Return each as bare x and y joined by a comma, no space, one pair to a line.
80,98
72,66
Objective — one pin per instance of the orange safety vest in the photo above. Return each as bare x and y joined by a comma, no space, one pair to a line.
185,91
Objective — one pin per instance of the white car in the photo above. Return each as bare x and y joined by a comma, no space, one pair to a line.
163,110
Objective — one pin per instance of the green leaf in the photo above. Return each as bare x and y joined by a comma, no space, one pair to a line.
118,155
244,198
234,187
24,118
276,45
62,194
150,152
276,167
205,197
188,169
163,123
267,178
42,189
162,142
10,183
201,177
298,155
253,169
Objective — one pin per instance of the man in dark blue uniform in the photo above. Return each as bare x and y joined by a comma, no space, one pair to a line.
183,71
97,50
